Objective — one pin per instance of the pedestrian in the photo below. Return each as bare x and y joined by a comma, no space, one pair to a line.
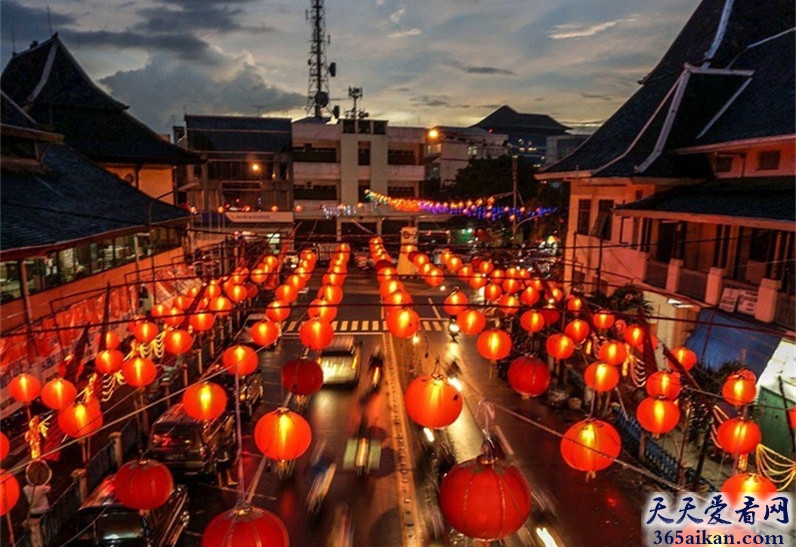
144,300
38,504
224,469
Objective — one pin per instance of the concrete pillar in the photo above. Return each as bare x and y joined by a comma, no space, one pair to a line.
80,478
714,286
379,222
33,526
118,450
338,229
767,300
673,275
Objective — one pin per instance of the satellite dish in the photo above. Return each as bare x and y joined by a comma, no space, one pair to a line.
332,69
336,112
322,98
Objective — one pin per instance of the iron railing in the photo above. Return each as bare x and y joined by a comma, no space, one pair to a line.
656,273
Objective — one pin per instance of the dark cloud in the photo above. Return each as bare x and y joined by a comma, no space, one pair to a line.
196,17
184,46
596,96
21,25
436,101
469,69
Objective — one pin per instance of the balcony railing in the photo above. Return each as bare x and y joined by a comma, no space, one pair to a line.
785,314
693,284
656,273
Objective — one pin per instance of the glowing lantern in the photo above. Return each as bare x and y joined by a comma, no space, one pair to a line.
425,268
24,387
204,401
577,330
212,290
245,525
145,331
497,276
738,435
432,402
658,415
236,293
477,280
109,361
634,335
5,446
590,445
511,286
471,322
202,321
334,279
613,353
390,286
685,357
386,273
282,434
664,384
494,344
302,376
79,420
403,323
139,371
560,346
286,293
455,303
143,484
9,492
739,388
277,311
492,292
532,321
420,259
554,294
551,315
159,311
434,277
465,272
298,283
397,299
258,275
57,394
528,376
331,294
747,483
574,304
173,317
265,333
454,264
486,267
220,305
316,334
485,482
112,340
508,305
178,341
603,320
240,359
601,377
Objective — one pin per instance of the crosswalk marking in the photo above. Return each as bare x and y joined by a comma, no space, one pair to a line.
292,326
334,325
355,325
365,326
374,325
343,326
437,326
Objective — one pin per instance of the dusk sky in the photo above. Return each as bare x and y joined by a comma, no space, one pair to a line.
447,62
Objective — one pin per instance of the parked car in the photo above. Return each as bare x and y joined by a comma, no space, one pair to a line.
103,520
340,361
244,337
190,446
250,388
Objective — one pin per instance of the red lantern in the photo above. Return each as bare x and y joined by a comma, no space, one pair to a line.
528,376
550,314
486,267
738,435
432,402
390,286
465,273
282,434
792,417
386,273
747,483
577,330
685,357
220,305
323,310
664,384
316,334
532,321
143,484
331,294
634,335
212,290
469,488
9,492
657,415
601,377
277,311
139,371
455,303
240,359
492,292
204,401
477,280
454,264
603,320
739,388
159,311
24,387
508,305
497,276
494,344
173,317
398,299
403,323
57,394
202,321
178,341
112,340
109,361
236,293
286,293
613,353
333,279
5,446
574,304
79,420
471,322
529,296
560,346
434,277
145,331
590,445
245,525
265,333
511,286
258,275
302,376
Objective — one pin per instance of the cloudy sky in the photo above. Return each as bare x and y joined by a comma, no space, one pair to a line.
422,63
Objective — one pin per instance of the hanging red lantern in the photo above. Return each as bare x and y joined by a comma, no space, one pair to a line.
302,376
220,305
202,321
603,320
529,296
277,311
532,321
24,387
173,317
334,279
57,394
298,282
238,277
574,304
613,353
486,267
432,402
145,331
497,276
508,305
159,311
511,286
240,359
398,299
390,286
551,314
664,384
554,294
485,482
331,294
282,434
245,525
139,371
434,277
204,400
79,420
601,377
590,445
471,322
560,346
494,344
386,273
739,388
178,341
465,273
634,335
286,293
143,484
109,361
9,492
455,303
265,333
212,290
685,357
316,334
5,446
420,259
258,275
323,310
747,483
658,416
528,376
492,292
577,330
112,340
403,323
738,435
477,281
236,293
454,264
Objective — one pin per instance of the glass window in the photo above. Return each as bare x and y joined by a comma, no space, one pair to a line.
722,164
584,216
767,161
602,227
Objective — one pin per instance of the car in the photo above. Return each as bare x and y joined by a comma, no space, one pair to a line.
250,388
189,446
340,361
244,337
103,520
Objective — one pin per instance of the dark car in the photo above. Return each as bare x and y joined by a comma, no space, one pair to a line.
250,389
191,446
103,520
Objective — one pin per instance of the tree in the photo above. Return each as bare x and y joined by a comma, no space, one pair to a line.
487,177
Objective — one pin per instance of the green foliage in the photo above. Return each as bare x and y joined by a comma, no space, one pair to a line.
626,299
487,177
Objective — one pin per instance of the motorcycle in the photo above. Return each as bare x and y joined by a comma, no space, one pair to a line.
376,368
319,489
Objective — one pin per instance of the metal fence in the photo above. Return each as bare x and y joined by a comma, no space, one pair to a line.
60,512
656,273
130,436
99,466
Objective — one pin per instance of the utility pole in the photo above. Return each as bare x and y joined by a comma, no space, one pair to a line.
514,198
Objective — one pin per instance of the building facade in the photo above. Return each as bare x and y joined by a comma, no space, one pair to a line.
450,149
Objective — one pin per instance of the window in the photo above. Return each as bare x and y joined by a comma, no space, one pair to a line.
767,161
722,164
602,226
472,150
584,216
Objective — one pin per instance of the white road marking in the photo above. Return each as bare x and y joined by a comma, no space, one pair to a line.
374,325
437,326
343,326
434,308
355,325
255,479
334,325
292,326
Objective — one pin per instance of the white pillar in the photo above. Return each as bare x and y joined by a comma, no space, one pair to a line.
673,275
714,286
767,296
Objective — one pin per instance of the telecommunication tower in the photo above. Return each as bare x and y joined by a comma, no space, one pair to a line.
320,69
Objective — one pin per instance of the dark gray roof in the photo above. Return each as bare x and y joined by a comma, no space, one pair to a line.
507,120
771,198
238,133
11,114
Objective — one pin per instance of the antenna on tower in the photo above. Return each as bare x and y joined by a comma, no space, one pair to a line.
320,70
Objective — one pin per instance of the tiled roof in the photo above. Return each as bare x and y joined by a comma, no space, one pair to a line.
238,133
11,114
506,117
